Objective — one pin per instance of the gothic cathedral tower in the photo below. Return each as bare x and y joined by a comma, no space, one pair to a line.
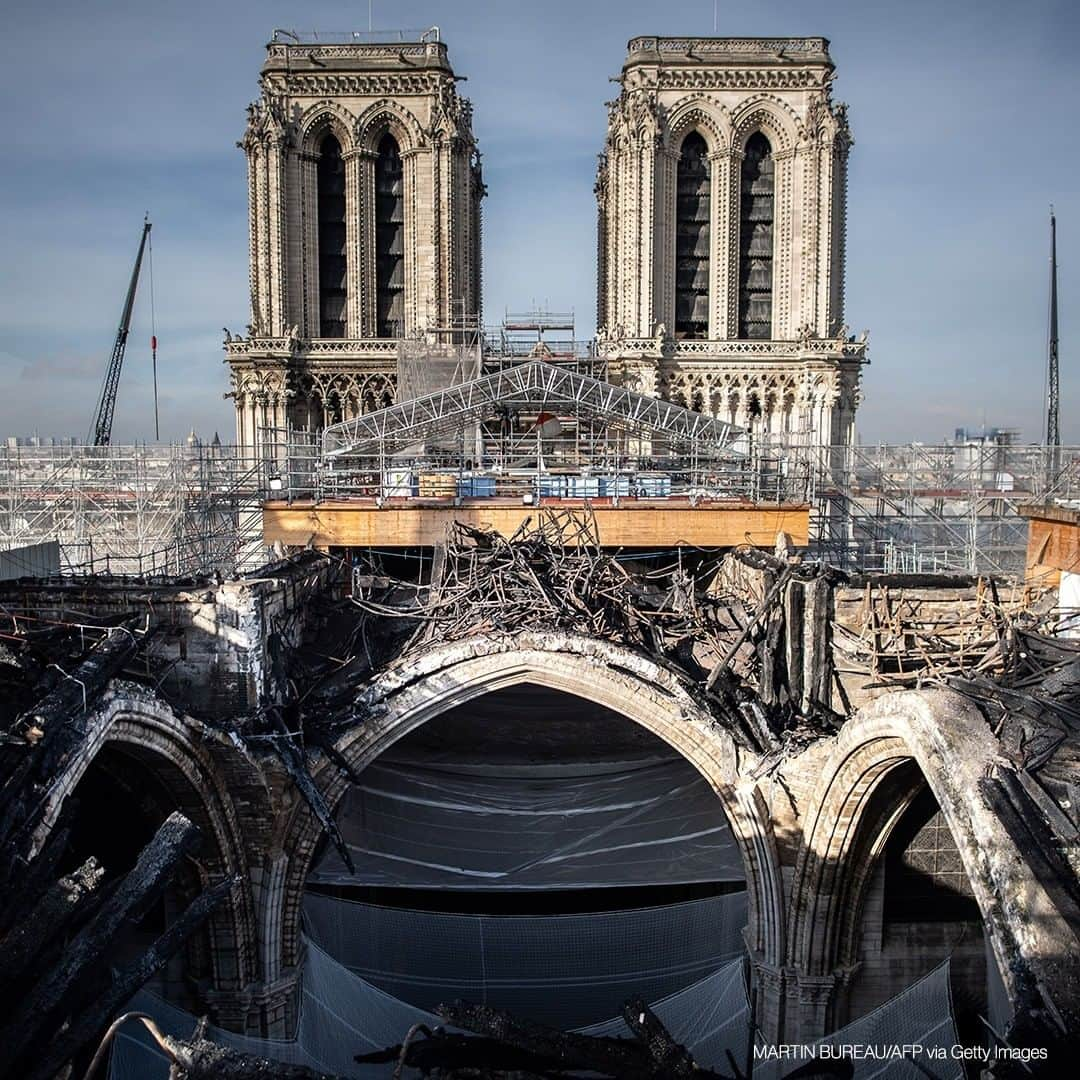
722,204
364,191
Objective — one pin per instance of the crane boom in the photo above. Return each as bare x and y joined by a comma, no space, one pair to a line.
1053,428
101,432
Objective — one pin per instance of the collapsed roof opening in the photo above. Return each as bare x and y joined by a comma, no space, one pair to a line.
527,800
532,849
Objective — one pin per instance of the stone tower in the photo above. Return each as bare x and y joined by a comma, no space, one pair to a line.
722,205
364,190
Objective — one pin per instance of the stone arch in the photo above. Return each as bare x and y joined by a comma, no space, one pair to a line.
409,694
325,117
878,764
136,722
695,114
772,117
385,116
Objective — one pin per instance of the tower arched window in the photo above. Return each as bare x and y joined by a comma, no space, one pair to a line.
389,240
756,215
332,263
692,214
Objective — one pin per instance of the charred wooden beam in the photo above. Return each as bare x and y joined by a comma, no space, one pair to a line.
625,1058
669,1057
90,1020
293,760
199,1059
48,921
761,613
55,729
45,1006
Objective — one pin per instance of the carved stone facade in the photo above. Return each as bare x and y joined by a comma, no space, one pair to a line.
364,188
722,206
724,172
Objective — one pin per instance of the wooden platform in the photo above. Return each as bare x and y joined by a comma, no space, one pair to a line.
1053,543
634,523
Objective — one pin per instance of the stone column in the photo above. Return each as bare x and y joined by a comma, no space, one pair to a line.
262,417
268,1010
364,280
838,241
601,246
251,149
354,226
264,302
768,989
664,238
808,313
417,262
720,203
623,239
785,260
840,1005
240,402
731,246
823,155
646,169
435,278
277,291
309,245
813,1000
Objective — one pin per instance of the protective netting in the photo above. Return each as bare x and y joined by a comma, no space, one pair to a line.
921,1016
135,1055
342,1015
709,1018
562,970
425,367
461,827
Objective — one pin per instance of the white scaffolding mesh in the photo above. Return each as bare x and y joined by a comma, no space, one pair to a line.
919,1016
709,1018
135,509
342,1015
135,1055
561,970
425,368
511,828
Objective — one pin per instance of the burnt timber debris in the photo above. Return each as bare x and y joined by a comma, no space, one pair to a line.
778,649
487,1044
502,1045
552,574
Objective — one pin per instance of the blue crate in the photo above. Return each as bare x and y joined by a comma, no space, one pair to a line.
476,487
582,487
553,487
614,485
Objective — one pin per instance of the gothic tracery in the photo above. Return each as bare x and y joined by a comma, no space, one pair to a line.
764,348
364,188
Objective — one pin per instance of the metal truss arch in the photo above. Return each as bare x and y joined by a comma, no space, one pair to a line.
535,384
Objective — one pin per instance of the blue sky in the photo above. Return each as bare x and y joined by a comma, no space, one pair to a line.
964,116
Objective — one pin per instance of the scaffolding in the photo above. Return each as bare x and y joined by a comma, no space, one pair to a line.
196,509
918,508
544,335
141,510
